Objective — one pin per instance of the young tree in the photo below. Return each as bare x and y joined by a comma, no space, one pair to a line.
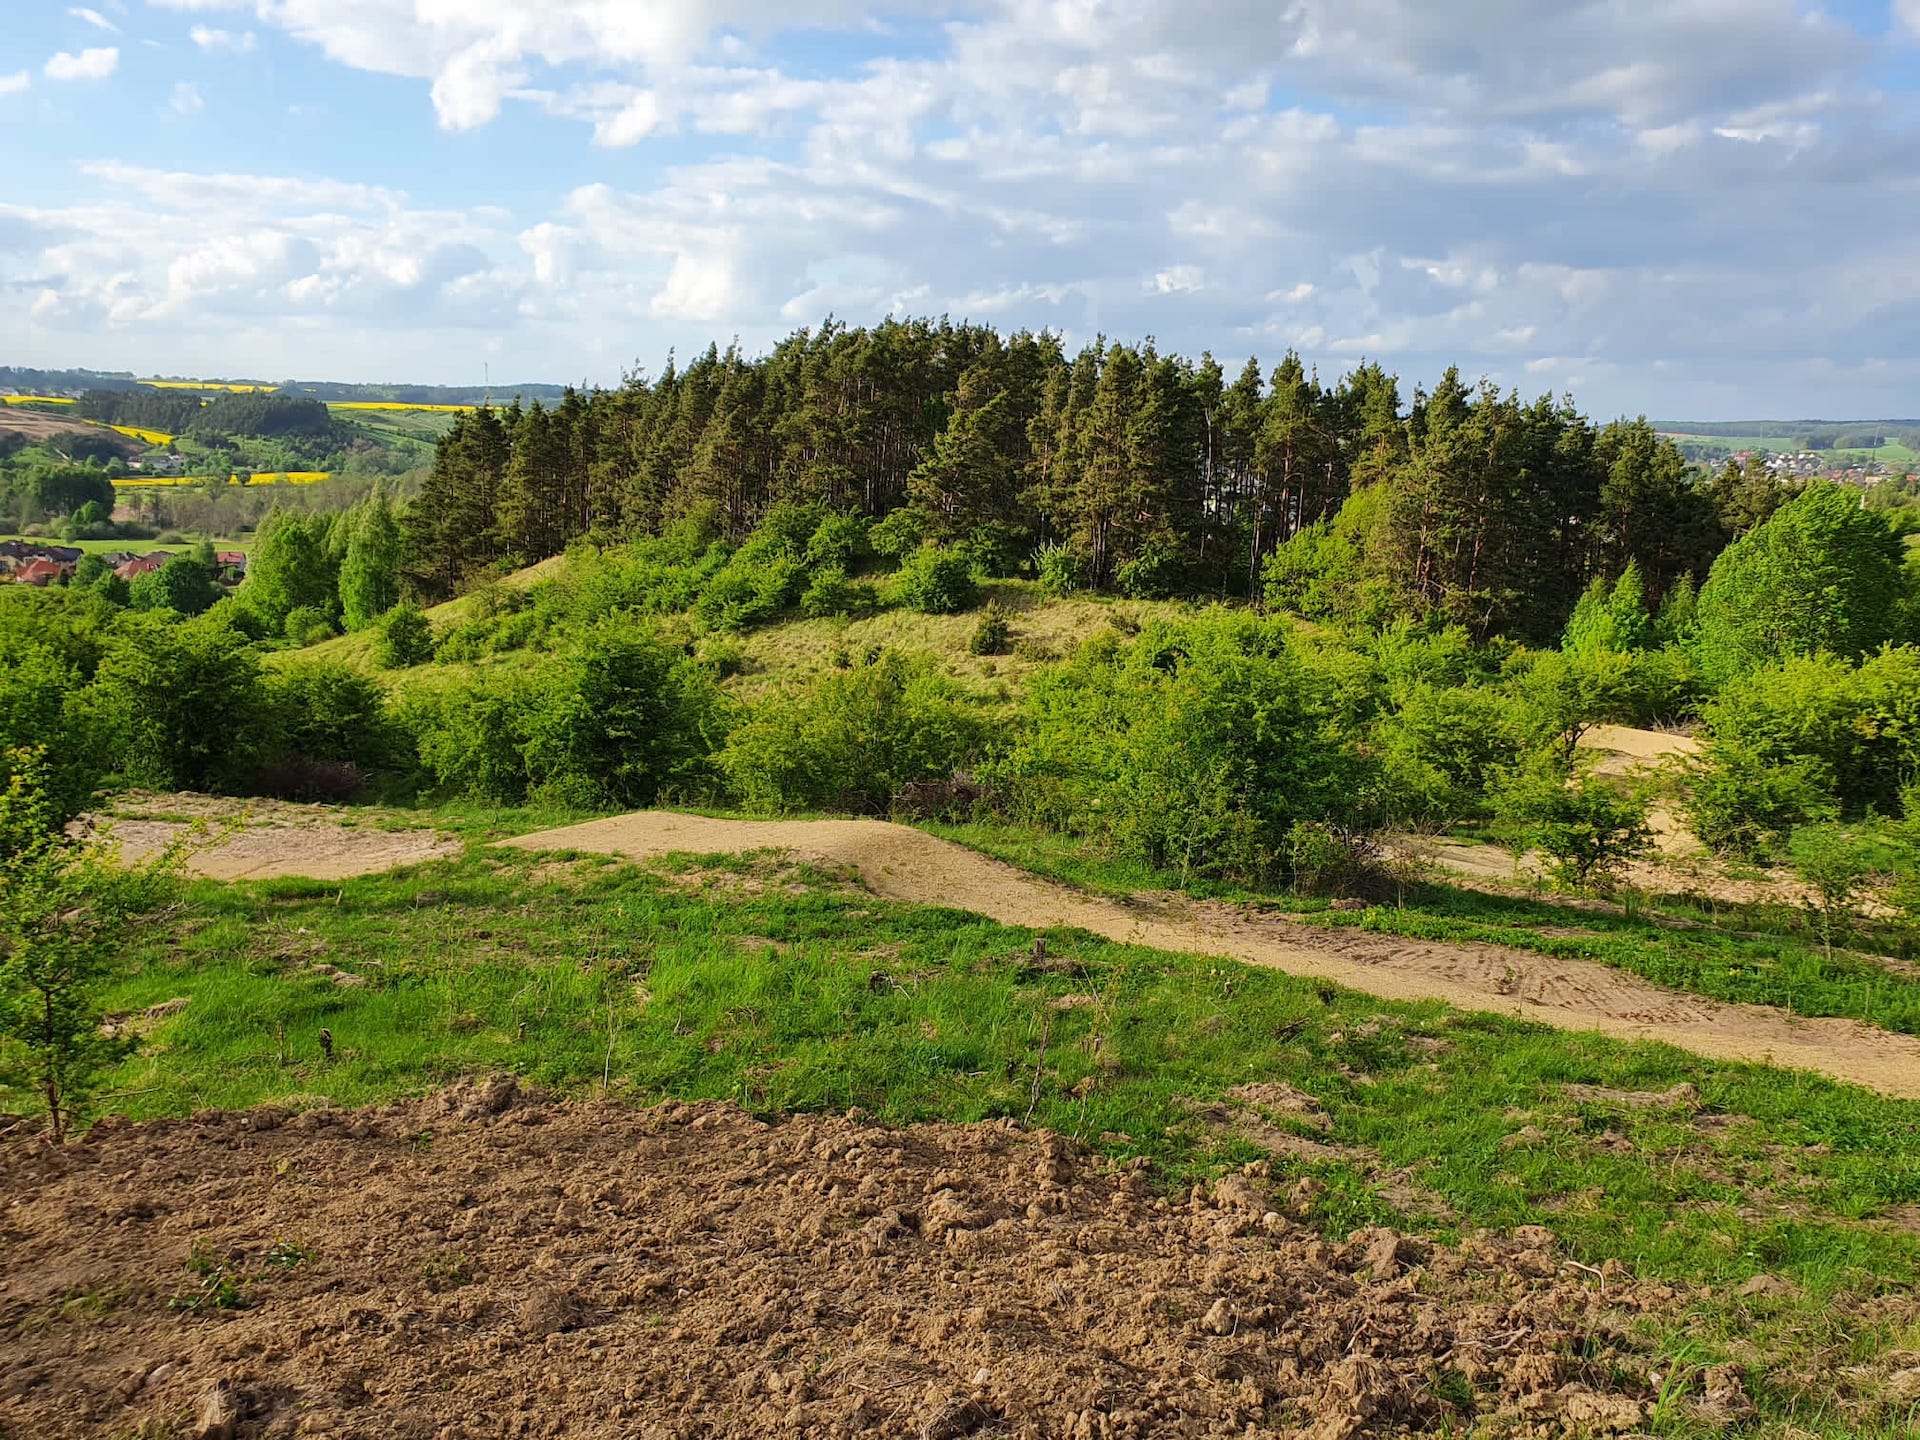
370,570
1586,826
1836,864
66,913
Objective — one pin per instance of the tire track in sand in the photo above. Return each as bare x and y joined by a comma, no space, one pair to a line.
896,862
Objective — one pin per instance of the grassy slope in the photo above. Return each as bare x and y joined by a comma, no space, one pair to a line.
1752,957
784,990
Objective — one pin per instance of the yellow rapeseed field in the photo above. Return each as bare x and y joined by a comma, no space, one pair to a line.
37,399
152,437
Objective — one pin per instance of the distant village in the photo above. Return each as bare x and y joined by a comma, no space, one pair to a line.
32,562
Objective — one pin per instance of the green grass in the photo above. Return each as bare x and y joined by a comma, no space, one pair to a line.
1786,968
784,990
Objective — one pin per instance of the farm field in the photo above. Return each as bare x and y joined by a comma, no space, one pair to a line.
1893,453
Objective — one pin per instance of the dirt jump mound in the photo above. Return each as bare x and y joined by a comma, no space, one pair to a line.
485,1263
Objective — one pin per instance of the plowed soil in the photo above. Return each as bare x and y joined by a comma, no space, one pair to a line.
485,1263
900,863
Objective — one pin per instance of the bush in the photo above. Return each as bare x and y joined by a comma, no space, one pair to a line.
1059,569
991,635
403,638
1196,746
1588,827
1836,864
190,699
1156,573
334,731
937,581
1740,804
1328,859
1857,727
309,625
832,594
852,739
840,543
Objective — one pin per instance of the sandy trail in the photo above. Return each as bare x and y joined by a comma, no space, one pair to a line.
900,863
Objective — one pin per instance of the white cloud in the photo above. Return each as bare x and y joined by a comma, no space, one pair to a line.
87,65
218,41
1646,185
187,99
95,19
13,84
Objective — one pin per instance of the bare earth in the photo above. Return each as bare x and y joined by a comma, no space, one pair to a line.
265,839
485,1263
900,863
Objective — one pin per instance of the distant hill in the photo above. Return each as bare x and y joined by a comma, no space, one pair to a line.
1800,434
77,382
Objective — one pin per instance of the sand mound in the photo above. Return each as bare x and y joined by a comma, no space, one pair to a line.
900,863
483,1263
266,839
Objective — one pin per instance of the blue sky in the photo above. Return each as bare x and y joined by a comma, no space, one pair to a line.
1688,208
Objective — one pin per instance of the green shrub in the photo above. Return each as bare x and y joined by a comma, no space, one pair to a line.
1822,575
1059,568
309,625
851,739
1837,865
1738,803
1156,573
831,593
1195,746
329,714
404,638
191,702
839,543
991,635
937,581
1587,827
1857,727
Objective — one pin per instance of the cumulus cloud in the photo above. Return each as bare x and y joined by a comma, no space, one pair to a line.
16,82
217,41
186,99
87,65
1630,192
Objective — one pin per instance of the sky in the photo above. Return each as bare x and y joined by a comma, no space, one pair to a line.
1706,209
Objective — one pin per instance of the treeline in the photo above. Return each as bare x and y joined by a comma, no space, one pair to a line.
178,413
1117,468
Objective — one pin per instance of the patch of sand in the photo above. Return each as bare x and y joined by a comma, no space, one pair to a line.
265,839
899,863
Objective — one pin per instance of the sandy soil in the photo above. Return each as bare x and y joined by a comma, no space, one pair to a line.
484,1263
901,863
264,839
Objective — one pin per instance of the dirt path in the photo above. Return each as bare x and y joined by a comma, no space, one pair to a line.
899,863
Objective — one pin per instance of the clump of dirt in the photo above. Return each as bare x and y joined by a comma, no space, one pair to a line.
487,1262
